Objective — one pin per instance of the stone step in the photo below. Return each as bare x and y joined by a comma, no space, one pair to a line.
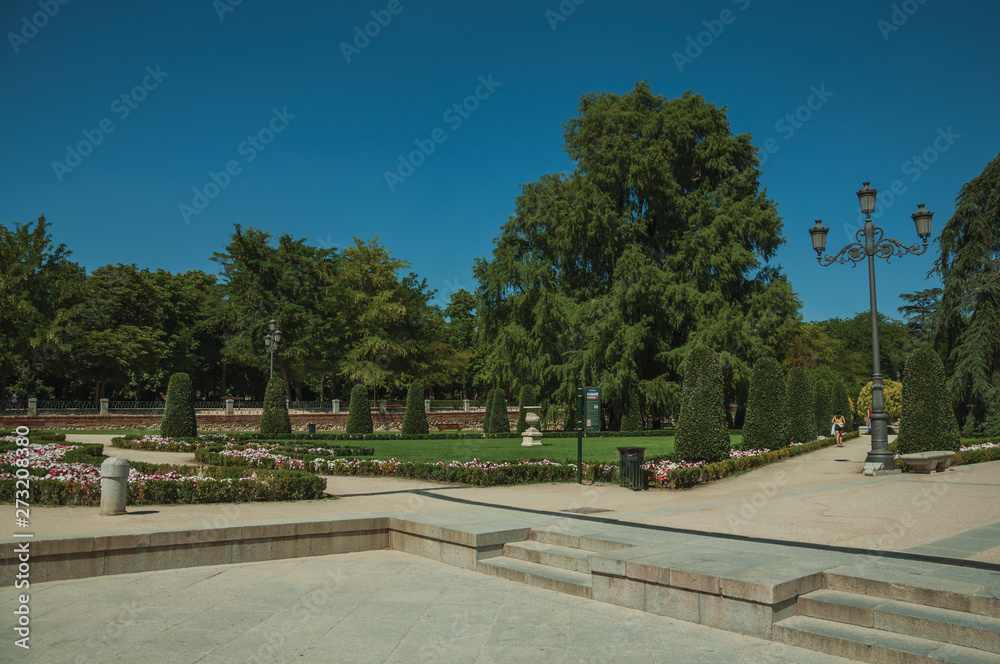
876,646
945,625
586,540
553,555
924,584
534,574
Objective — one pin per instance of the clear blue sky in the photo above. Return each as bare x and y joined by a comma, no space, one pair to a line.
206,84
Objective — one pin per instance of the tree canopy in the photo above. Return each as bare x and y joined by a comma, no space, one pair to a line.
969,308
659,239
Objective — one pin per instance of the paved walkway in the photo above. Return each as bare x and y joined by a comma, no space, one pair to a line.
393,607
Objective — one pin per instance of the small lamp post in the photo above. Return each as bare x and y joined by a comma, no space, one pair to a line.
271,341
871,243
733,407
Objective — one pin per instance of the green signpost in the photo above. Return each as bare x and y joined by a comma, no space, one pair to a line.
588,418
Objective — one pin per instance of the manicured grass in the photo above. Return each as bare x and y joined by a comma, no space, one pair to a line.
595,450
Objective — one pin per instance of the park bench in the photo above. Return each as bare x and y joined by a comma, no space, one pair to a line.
446,426
928,462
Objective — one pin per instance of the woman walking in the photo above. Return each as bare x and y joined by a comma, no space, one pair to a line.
838,427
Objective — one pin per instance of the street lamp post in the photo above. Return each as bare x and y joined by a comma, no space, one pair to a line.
271,341
733,407
871,243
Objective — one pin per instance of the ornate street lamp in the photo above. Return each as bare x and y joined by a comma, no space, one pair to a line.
733,407
271,341
871,243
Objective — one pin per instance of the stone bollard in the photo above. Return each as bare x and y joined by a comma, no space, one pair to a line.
33,406
465,405
336,405
114,486
104,407
229,406
427,405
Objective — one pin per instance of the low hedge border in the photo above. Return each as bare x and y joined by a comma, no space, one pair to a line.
525,473
442,435
280,485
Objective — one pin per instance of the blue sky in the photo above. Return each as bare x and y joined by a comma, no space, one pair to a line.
164,95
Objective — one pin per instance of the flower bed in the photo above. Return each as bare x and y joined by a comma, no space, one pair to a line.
165,444
659,473
273,456
56,482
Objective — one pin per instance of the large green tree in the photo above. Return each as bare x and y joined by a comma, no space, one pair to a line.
969,308
657,241
116,339
39,286
289,282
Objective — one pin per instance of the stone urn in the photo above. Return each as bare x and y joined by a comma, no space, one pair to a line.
531,436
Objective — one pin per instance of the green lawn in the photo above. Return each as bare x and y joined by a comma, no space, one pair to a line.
602,450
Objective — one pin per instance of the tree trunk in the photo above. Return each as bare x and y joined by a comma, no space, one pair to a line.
224,394
298,390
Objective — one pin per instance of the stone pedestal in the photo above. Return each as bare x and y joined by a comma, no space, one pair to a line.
114,486
531,436
229,406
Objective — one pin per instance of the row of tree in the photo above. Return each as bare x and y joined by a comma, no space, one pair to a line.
661,239
346,317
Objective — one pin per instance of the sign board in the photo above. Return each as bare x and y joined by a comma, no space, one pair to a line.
592,408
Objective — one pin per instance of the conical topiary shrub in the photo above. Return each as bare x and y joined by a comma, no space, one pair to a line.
801,417
632,419
274,418
415,420
178,413
499,423
766,423
822,408
359,417
928,422
488,416
702,434
528,398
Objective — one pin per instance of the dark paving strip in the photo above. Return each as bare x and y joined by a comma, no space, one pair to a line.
390,493
896,555
970,542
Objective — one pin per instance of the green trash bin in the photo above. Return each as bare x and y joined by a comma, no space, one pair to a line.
630,469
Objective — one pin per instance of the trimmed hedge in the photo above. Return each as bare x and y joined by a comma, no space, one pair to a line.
415,419
491,398
178,413
928,421
766,420
476,476
702,434
274,418
682,478
280,485
799,397
359,417
822,408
